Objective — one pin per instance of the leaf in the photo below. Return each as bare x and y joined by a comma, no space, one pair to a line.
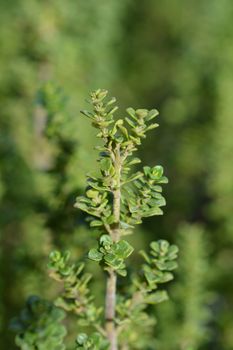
152,126
160,202
134,161
96,223
145,256
150,276
163,180
55,256
164,245
105,239
123,249
169,265
92,194
96,185
152,114
130,122
172,252
105,164
157,171
95,255
141,113
134,177
87,114
125,226
157,297
110,219
81,338
157,188
123,130
152,212
166,277
131,112
112,110
113,261
147,170
101,94
155,247
122,273
111,101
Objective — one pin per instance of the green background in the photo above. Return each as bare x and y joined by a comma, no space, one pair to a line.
174,55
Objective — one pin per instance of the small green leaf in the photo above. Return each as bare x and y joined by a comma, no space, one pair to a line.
92,194
105,239
152,114
145,256
157,297
134,177
96,223
81,338
155,247
157,172
172,252
122,273
152,126
105,164
141,113
123,249
130,122
113,261
55,256
95,255
152,212
131,112
169,265
123,130
164,245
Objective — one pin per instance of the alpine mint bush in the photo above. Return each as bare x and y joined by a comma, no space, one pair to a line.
115,201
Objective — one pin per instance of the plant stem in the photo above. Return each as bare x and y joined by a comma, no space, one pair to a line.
110,310
110,301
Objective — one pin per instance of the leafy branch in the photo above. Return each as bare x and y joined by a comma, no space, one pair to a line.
115,201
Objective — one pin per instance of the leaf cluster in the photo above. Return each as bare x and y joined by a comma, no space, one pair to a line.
116,199
76,296
141,190
92,342
39,326
159,264
132,310
112,254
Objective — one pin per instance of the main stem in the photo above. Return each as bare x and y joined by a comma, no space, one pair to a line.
110,300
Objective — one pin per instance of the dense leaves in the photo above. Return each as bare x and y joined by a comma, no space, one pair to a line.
76,296
115,202
93,342
112,253
145,291
141,191
39,326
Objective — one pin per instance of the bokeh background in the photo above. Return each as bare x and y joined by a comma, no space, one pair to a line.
174,55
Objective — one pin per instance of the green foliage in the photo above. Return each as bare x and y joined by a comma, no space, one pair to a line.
186,317
39,326
112,253
160,263
70,43
141,191
93,342
115,200
132,311
76,296
177,53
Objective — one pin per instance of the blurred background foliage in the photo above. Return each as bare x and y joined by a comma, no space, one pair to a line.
176,56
